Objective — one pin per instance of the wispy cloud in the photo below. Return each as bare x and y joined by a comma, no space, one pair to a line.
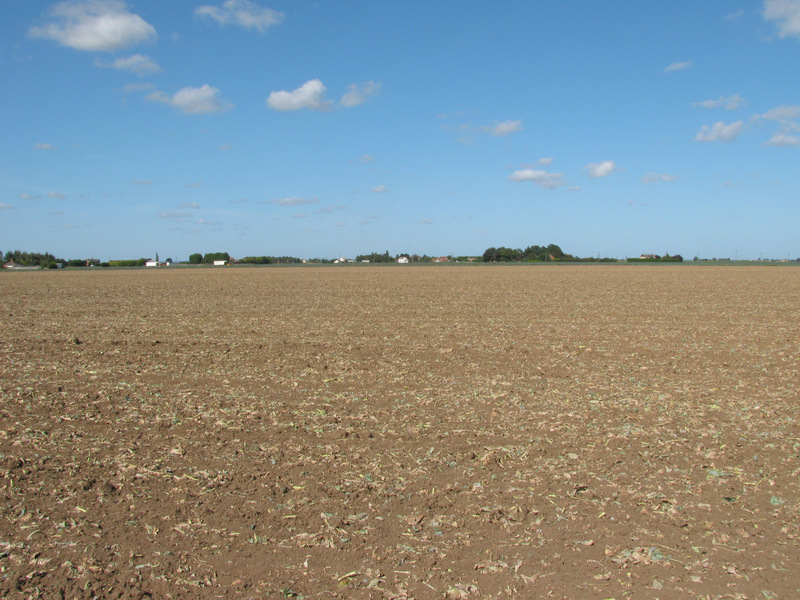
367,159
784,139
783,114
310,95
600,169
30,196
142,182
729,103
44,146
658,177
242,13
786,14
193,100
356,95
6,206
380,189
678,66
719,132
138,63
293,201
545,161
189,205
195,185
548,181
94,25
57,195
506,127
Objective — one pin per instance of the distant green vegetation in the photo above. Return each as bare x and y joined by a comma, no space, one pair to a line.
657,258
550,252
44,260
139,262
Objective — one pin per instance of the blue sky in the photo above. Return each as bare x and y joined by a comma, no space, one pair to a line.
327,128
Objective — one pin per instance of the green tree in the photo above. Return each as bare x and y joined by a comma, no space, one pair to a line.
195,259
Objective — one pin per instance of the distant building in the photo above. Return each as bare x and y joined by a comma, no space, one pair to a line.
150,263
403,260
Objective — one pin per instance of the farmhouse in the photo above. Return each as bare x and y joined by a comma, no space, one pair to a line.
150,263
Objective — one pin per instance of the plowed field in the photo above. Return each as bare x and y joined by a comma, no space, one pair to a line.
401,432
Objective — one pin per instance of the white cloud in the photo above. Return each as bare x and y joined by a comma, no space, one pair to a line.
190,205
5,206
243,13
729,103
658,177
786,13
310,95
138,63
380,189
541,178
506,127
545,161
94,25
293,201
678,66
367,159
719,132
783,114
44,146
193,100
29,196
57,195
601,169
183,217
784,139
356,95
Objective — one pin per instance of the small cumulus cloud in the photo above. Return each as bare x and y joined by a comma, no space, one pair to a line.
292,201
29,196
786,14
783,114
243,13
44,146
425,221
138,63
189,205
784,140
5,206
658,177
367,159
719,132
548,181
94,25
193,100
600,169
678,66
356,95
57,195
545,161
310,95
729,103
380,189
506,127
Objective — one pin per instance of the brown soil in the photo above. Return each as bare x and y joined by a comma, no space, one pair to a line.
401,432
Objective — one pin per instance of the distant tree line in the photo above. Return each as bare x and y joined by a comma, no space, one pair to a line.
657,258
208,259
530,254
44,260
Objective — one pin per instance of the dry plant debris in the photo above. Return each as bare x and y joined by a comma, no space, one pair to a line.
398,433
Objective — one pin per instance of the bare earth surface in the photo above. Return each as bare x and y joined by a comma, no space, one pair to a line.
401,432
